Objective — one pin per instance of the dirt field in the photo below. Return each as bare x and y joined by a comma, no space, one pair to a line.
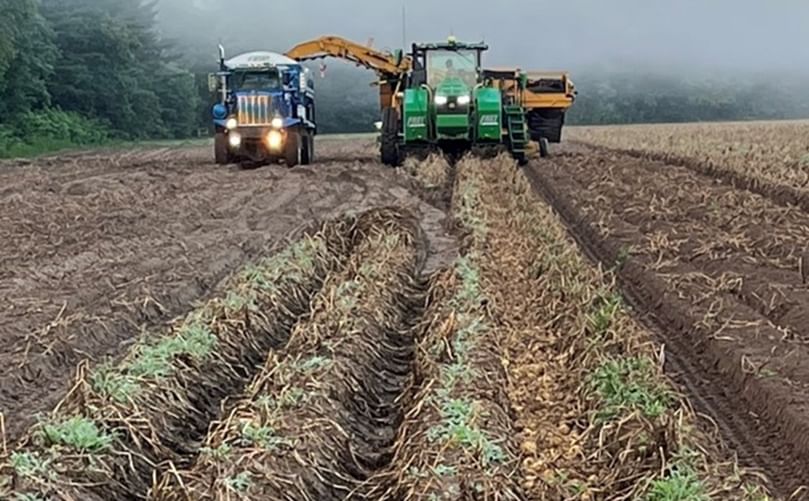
98,248
720,272
599,325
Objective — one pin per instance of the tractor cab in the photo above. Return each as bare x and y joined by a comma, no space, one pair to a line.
450,72
459,107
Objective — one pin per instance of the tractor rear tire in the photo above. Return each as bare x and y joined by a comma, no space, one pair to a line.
292,149
389,148
544,148
308,151
221,153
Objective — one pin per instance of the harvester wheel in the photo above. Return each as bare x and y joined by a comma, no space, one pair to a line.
544,148
292,150
308,150
390,138
221,149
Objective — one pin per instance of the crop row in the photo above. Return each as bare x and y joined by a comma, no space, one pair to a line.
766,157
317,421
597,418
123,422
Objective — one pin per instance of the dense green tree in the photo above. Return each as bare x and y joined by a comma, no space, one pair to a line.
26,57
114,66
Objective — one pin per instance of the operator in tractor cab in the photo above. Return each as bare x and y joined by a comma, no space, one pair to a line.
451,69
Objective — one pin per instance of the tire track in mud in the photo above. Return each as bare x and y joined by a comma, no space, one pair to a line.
705,376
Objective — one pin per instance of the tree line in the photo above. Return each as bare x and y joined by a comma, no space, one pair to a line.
78,72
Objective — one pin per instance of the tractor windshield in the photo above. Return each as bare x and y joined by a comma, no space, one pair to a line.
266,80
460,64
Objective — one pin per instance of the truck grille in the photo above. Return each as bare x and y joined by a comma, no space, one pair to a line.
254,110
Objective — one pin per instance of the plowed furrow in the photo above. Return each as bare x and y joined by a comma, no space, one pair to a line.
704,361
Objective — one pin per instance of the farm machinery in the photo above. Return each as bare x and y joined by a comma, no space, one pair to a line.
440,97
265,110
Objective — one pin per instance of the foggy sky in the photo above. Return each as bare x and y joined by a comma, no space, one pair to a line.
718,35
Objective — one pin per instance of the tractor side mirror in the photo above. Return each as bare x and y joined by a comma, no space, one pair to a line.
213,82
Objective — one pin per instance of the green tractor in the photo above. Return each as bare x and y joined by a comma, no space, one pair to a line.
448,102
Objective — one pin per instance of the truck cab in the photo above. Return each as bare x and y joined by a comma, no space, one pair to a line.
265,111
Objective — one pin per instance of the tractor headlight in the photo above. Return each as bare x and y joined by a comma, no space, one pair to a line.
234,139
277,123
441,100
231,123
275,140
464,100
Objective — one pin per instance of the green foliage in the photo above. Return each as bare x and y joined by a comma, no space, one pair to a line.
607,307
218,453
681,484
108,381
239,483
313,364
77,432
35,132
27,53
154,361
28,464
458,426
110,54
261,436
627,385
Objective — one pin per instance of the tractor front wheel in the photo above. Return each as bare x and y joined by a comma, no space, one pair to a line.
221,154
292,149
389,148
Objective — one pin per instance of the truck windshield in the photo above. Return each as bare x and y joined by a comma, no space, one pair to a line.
256,80
443,64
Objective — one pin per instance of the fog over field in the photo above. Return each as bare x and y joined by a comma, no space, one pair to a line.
744,35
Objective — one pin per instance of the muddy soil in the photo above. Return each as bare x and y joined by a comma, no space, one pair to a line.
721,273
99,247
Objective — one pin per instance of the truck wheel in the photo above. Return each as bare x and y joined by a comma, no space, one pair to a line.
544,149
220,149
308,152
292,150
389,148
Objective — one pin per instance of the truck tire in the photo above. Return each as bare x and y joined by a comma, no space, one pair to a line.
292,149
220,149
389,147
308,152
544,148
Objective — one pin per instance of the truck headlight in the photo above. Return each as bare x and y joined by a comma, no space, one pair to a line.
464,100
231,123
277,123
275,140
234,139
441,100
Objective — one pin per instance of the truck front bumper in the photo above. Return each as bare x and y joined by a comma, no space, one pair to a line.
257,141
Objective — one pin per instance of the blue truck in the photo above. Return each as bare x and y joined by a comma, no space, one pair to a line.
265,111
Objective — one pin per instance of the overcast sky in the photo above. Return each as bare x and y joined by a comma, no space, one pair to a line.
707,34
